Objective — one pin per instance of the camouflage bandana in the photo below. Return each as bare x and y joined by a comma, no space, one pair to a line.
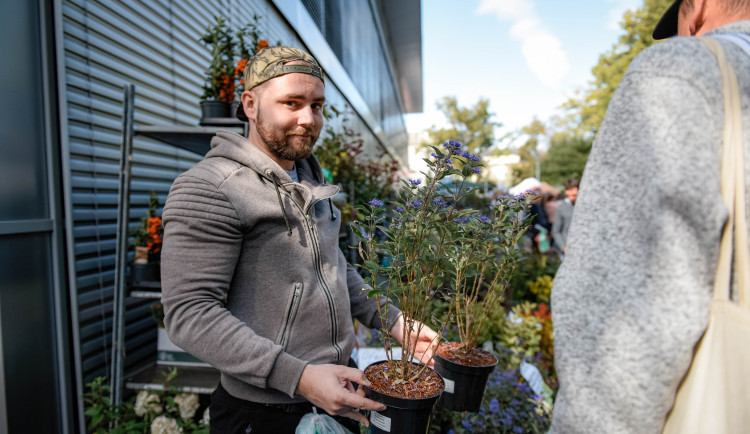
270,62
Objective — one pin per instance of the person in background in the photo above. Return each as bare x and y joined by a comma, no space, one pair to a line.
564,215
253,281
631,300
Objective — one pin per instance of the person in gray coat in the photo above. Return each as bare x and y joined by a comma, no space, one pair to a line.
253,280
631,299
564,215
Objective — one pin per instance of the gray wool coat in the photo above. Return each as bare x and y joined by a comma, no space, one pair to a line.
631,299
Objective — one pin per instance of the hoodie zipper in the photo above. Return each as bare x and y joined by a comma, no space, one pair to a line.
319,273
292,312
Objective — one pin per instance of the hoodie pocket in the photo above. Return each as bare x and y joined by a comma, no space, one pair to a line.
291,313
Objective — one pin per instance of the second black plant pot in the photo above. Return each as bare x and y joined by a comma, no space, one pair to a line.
145,273
214,109
402,415
464,385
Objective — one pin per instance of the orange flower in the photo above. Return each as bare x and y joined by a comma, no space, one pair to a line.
262,44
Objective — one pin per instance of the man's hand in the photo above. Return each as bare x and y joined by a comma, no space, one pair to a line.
426,340
330,388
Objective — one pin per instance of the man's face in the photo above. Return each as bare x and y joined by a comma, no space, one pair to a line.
289,114
572,194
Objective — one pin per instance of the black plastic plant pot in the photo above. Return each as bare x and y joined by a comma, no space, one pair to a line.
145,272
464,385
214,109
402,415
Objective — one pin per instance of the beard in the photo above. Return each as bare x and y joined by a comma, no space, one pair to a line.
281,143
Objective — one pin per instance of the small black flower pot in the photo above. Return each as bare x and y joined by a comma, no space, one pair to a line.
464,385
145,273
402,415
214,109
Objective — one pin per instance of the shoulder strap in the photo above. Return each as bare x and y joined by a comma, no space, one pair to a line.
732,188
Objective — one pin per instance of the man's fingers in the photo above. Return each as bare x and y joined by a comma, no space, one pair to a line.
363,403
359,417
354,375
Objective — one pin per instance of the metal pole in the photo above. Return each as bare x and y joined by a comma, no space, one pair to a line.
121,249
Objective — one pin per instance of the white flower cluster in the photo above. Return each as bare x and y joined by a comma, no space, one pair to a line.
188,404
165,425
145,402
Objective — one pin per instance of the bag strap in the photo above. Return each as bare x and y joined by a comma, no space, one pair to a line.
732,188
740,39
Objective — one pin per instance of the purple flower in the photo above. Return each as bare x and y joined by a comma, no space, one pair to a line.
415,182
476,170
461,219
517,429
399,209
448,161
484,219
440,202
494,406
466,154
450,431
376,203
473,157
433,155
466,424
415,204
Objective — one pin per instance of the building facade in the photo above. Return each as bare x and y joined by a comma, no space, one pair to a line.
65,66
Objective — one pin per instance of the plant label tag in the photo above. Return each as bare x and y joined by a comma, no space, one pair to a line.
450,385
532,376
380,421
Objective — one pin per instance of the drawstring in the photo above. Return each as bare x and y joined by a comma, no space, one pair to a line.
330,206
281,204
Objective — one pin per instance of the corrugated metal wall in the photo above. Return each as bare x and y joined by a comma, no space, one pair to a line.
154,45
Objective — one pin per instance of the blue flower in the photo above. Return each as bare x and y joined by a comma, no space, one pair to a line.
376,203
399,209
506,420
473,157
448,161
494,406
484,219
466,424
461,219
440,202
476,170
415,181
517,429
433,155
450,431
415,204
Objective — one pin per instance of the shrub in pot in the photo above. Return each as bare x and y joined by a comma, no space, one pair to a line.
147,240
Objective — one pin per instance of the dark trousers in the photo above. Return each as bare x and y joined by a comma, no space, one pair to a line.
231,415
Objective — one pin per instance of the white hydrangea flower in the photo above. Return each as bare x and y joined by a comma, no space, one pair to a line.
165,425
146,401
206,419
187,403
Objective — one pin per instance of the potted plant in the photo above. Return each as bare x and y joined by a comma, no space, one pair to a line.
406,261
481,259
433,247
147,241
218,88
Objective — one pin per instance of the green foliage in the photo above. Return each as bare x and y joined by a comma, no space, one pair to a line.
528,152
432,248
340,153
529,271
565,159
169,410
471,126
219,78
587,109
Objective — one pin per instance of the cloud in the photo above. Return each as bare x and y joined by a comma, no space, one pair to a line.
541,49
614,17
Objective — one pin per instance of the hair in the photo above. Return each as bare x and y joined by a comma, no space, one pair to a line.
728,6
571,183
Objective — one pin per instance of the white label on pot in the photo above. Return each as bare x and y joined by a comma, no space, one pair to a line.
450,385
380,421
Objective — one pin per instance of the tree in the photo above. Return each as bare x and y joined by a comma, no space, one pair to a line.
528,152
565,158
471,126
587,109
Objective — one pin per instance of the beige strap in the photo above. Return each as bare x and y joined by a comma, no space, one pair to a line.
732,188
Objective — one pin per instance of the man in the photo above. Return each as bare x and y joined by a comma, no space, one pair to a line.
564,215
253,281
631,300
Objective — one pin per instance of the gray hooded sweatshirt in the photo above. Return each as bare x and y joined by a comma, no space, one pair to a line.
253,281
631,299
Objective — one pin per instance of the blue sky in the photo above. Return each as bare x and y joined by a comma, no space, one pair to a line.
525,56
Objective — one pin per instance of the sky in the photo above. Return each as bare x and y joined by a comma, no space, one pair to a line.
526,56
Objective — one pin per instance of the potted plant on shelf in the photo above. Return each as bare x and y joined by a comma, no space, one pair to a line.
147,242
218,89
